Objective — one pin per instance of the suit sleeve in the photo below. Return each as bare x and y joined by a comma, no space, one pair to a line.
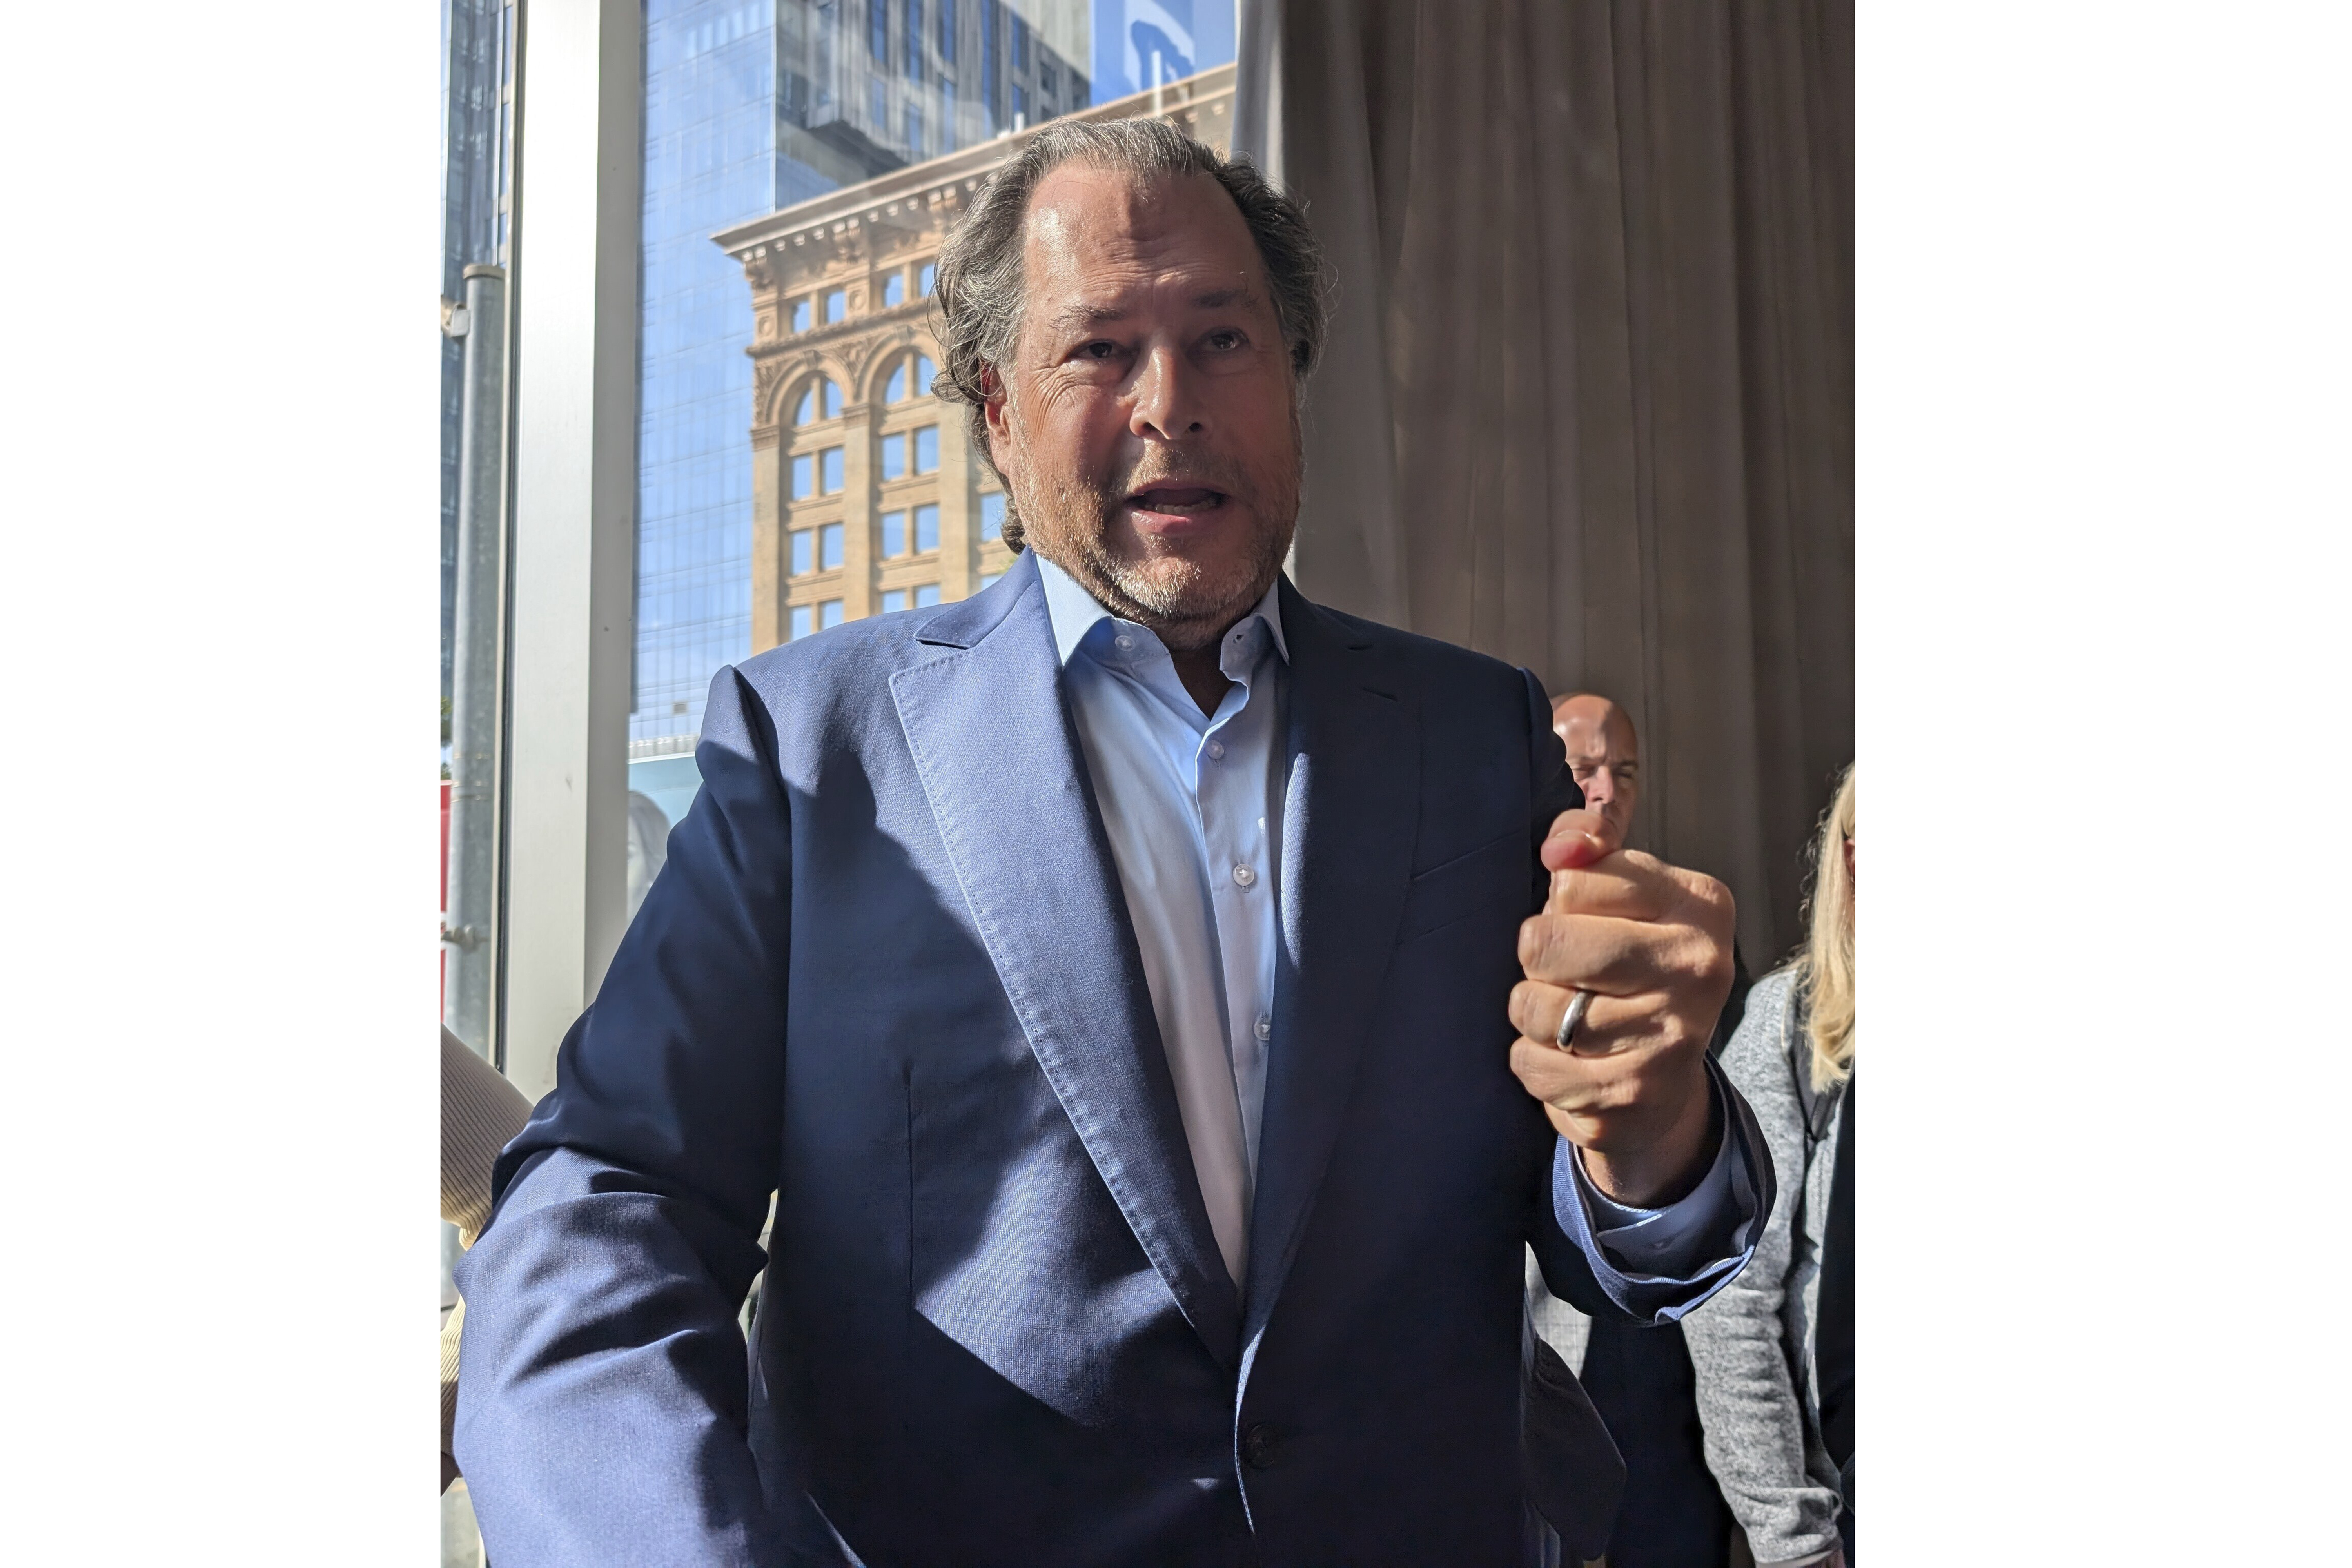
1596,1255
603,1395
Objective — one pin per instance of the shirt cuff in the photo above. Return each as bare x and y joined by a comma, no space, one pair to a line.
1670,1242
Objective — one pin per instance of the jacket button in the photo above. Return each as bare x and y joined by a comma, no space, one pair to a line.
1259,1446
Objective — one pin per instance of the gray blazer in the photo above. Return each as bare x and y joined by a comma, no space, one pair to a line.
1751,1347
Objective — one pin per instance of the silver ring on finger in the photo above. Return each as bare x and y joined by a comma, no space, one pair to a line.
1578,1005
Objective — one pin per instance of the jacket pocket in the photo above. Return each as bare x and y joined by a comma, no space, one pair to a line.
1498,872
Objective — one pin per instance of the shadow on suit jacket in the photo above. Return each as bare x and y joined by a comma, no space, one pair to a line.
887,973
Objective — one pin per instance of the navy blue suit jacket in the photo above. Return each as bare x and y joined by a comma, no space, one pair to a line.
887,974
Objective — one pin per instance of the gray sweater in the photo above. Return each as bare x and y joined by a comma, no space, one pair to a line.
1752,1346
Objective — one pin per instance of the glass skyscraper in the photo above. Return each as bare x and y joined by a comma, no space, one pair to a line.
1140,44
713,157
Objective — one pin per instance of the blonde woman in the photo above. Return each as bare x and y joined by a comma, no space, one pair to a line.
1773,1352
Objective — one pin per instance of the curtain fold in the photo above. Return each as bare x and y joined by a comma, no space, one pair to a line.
1588,401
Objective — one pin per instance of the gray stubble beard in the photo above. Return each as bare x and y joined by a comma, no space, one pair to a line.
1185,614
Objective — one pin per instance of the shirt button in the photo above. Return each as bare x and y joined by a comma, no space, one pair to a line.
1265,1029
1216,751
1124,641
1244,874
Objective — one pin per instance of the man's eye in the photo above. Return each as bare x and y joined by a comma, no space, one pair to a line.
1099,350
1224,341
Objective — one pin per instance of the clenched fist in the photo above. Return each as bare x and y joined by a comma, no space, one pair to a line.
1653,943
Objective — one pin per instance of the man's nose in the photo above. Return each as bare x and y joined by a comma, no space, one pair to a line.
1600,789
1167,405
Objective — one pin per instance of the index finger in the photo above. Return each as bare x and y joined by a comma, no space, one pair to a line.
1628,886
1577,839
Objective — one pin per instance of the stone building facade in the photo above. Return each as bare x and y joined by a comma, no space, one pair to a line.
866,496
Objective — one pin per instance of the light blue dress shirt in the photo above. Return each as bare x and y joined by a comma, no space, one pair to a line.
1192,804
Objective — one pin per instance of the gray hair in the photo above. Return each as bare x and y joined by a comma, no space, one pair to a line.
980,289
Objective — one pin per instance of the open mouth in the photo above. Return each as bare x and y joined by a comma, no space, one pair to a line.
1176,501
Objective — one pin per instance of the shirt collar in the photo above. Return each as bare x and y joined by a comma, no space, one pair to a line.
1075,612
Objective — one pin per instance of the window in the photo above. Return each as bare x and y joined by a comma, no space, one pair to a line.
927,596
923,280
915,39
893,600
947,120
803,551
878,107
894,292
894,533
988,9
821,393
878,16
989,579
1046,82
893,457
925,371
915,151
1020,43
829,546
927,449
896,391
832,455
803,477
1020,105
991,516
836,306
927,527
946,31
803,621
803,315
828,614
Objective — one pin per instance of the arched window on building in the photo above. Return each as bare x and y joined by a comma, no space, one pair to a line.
820,399
910,378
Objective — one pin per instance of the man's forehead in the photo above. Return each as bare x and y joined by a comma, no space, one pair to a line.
1113,228
1594,725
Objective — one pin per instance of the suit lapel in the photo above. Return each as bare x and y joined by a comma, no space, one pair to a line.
1350,805
993,742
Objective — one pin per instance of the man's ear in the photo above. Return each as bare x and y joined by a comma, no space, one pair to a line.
996,411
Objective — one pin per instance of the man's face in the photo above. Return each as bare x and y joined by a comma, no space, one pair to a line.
1147,425
1602,757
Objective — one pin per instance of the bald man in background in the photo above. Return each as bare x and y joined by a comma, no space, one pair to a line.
1640,1379
1605,755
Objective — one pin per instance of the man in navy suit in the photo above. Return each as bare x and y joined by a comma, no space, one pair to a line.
1137,987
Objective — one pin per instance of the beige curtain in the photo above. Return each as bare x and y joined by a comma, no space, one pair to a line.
1589,402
